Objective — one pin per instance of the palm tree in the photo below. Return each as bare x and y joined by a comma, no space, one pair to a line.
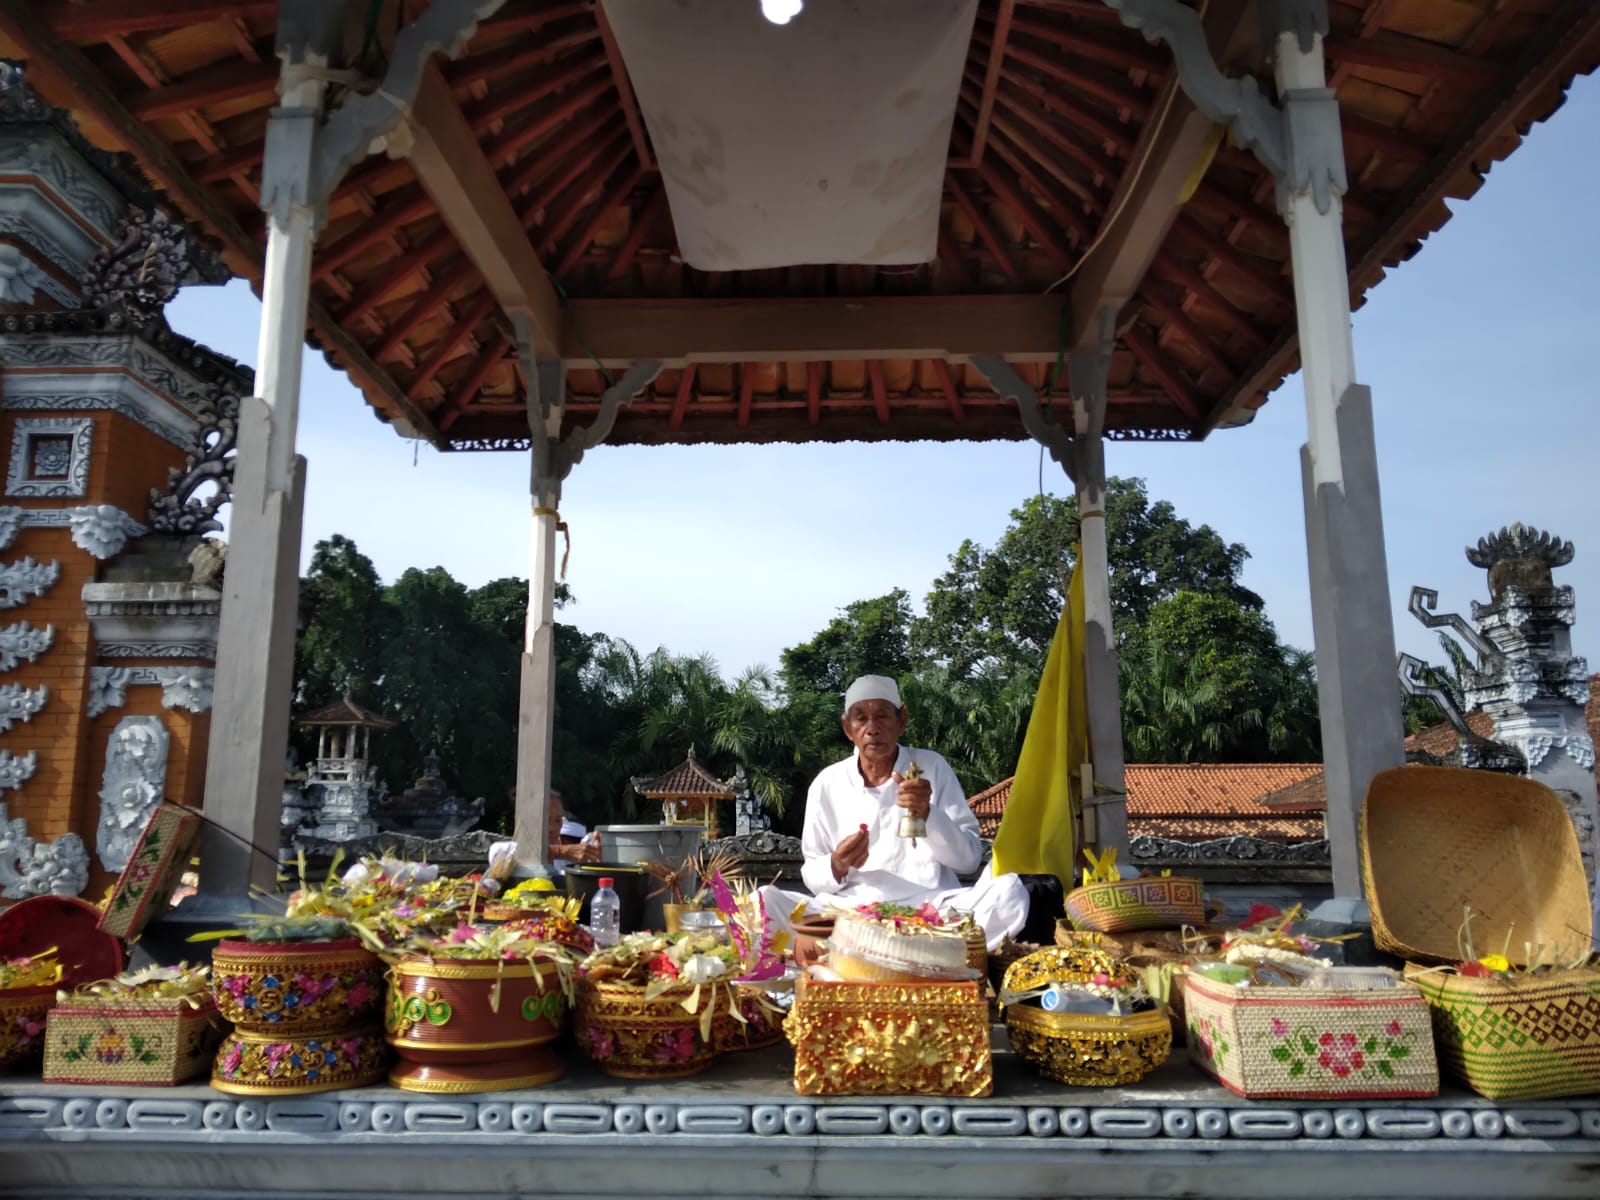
1170,714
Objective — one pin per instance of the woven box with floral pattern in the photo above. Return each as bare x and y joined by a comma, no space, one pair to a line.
1295,1043
145,886
869,1039
157,1042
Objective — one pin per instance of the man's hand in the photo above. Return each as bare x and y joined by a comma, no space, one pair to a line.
852,852
578,852
913,795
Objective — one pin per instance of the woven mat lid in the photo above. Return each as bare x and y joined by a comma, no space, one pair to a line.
1437,841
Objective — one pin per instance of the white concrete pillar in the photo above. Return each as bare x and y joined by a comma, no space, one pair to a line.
1354,630
255,644
1102,688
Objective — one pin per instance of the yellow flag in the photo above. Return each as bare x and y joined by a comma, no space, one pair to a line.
1037,834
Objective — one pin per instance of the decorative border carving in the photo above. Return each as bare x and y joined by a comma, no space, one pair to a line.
131,789
21,643
204,650
78,401
210,461
187,687
29,1116
1230,850
19,704
19,478
31,868
100,529
25,578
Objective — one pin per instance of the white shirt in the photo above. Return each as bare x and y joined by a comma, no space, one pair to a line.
840,802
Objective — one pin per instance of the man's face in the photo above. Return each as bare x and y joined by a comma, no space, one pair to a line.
874,726
557,815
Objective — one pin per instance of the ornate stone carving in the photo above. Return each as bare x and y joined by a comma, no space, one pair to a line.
1230,849
19,704
21,278
30,868
205,483
23,643
11,519
1519,541
185,687
25,578
16,771
135,777
153,256
102,529
50,457
108,688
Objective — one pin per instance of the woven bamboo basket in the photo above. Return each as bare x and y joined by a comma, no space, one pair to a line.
150,1043
1437,840
1150,902
1519,1037
1311,1043
632,1037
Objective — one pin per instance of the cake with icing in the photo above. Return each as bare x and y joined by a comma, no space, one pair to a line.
893,944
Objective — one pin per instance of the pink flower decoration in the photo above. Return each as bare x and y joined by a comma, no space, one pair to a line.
359,996
601,1045
1392,1028
230,1060
462,933
1325,1040
1280,1027
351,1048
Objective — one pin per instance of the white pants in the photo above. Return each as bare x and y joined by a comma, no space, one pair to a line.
999,904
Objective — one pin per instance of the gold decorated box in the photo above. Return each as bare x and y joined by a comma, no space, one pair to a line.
873,1039
157,1042
144,889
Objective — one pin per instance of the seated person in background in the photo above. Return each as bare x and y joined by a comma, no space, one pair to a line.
851,843
561,850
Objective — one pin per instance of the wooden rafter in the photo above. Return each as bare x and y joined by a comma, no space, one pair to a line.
981,223
629,102
947,384
1009,193
583,138
680,400
65,77
1411,56
747,393
880,392
1128,53
518,54
518,134
643,220
575,182
405,205
376,290
444,285
813,393
470,384
991,80
471,316
509,101
1155,366
624,183
452,167
117,18
1185,276
1178,322
1072,209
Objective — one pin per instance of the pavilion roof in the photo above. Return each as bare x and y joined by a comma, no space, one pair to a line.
1067,122
346,711
687,780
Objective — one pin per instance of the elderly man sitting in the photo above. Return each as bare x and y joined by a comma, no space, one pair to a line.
853,851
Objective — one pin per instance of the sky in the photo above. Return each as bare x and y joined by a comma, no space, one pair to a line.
1477,352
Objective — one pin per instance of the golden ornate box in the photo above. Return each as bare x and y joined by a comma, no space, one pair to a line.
867,1039
156,1042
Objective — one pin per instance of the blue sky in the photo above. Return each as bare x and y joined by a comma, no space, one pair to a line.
1477,351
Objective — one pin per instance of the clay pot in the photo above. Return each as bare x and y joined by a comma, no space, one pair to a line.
297,988
249,1064
631,1037
22,1022
461,1026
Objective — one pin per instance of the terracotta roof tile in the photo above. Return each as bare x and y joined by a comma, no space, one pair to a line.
1205,829
347,712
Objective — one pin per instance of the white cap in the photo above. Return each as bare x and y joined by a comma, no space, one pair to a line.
571,828
872,687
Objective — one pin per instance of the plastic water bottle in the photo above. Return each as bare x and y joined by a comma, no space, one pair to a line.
605,914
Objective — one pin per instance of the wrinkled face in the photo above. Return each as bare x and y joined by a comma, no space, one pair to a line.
557,815
874,726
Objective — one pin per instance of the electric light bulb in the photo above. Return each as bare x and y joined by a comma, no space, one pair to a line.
781,12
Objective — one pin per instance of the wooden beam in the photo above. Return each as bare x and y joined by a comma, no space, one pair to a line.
626,181
1156,367
619,332
465,322
1130,53
66,78
1146,202
1412,56
233,80
991,79
880,392
376,290
510,101
452,168
115,18
952,397
231,163
405,205
629,102
520,53
680,401
813,393
423,307
491,357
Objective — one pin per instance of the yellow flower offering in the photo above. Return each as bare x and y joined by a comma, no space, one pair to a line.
1496,962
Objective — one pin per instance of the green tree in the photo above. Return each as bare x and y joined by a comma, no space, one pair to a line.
868,637
999,606
341,648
